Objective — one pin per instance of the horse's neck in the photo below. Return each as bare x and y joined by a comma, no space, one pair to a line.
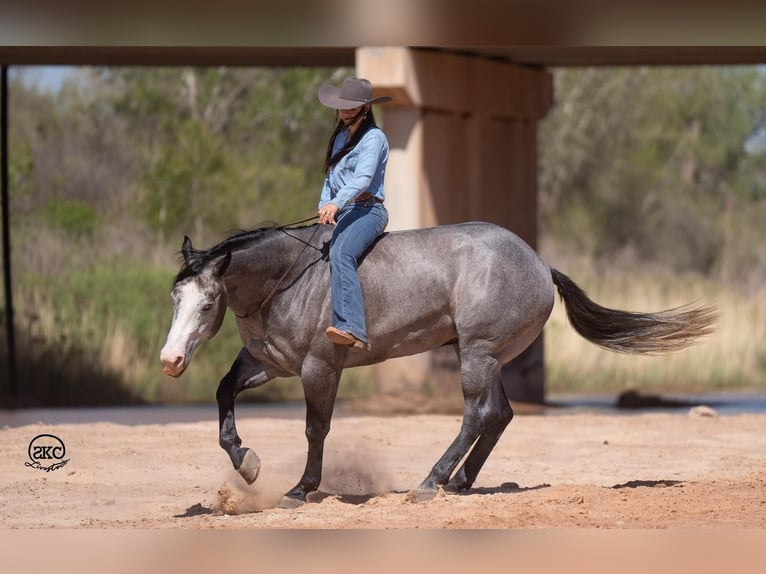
256,273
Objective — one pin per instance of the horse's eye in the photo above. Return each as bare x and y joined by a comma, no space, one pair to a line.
207,306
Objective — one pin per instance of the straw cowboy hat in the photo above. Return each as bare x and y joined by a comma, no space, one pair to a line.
354,92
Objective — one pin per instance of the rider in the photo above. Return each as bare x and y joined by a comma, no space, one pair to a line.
352,200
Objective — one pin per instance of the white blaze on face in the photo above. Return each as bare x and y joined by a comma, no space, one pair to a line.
191,317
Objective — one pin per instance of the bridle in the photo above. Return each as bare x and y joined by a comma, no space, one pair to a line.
290,268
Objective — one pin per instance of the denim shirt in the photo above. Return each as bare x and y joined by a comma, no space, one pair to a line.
362,169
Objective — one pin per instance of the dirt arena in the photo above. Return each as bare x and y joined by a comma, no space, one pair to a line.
582,470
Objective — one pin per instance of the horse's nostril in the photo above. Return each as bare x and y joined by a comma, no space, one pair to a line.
172,363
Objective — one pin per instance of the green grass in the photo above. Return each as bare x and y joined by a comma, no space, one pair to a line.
93,336
730,359
90,333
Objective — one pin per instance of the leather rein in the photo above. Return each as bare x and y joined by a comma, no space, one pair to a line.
290,268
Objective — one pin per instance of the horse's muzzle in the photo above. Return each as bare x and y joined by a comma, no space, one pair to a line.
173,366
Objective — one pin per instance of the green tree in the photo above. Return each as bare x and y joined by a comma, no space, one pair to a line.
224,147
654,162
113,168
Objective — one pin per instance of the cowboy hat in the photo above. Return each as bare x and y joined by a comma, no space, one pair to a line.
354,92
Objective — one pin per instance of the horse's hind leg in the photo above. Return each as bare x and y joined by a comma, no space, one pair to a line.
244,373
478,373
497,419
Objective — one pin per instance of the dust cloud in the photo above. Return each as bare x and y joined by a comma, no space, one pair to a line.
354,471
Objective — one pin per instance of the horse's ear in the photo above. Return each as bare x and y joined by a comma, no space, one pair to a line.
187,249
220,266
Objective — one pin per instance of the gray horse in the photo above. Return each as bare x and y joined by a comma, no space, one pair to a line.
475,287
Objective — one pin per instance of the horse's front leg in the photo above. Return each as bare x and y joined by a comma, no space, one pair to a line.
244,373
320,386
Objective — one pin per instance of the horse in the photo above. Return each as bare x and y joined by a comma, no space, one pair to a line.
475,287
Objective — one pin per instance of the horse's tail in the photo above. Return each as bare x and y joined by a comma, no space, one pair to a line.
627,332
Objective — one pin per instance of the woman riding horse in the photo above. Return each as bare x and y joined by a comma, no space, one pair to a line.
352,200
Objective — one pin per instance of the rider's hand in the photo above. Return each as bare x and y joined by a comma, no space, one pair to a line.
327,213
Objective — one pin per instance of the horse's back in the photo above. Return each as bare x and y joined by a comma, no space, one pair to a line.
457,252
456,282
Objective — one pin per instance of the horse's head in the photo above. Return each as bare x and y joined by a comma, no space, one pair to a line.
199,305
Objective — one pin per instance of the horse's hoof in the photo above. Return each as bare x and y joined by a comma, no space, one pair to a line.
288,502
421,494
250,467
456,487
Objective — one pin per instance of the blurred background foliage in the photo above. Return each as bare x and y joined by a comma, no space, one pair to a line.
659,166
652,193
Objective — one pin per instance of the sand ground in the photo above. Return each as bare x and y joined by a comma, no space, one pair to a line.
582,470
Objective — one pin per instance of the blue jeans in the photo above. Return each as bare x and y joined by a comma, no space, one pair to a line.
358,225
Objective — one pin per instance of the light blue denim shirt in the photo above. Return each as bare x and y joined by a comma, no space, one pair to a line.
362,169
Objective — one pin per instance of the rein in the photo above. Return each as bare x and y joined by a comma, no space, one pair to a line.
312,218
295,261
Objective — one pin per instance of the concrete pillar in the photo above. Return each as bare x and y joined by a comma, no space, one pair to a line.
463,137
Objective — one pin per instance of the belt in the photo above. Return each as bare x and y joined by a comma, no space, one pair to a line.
366,196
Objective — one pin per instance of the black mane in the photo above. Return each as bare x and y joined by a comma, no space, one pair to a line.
200,257
239,240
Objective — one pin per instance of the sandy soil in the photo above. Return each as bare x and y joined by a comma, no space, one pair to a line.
564,471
